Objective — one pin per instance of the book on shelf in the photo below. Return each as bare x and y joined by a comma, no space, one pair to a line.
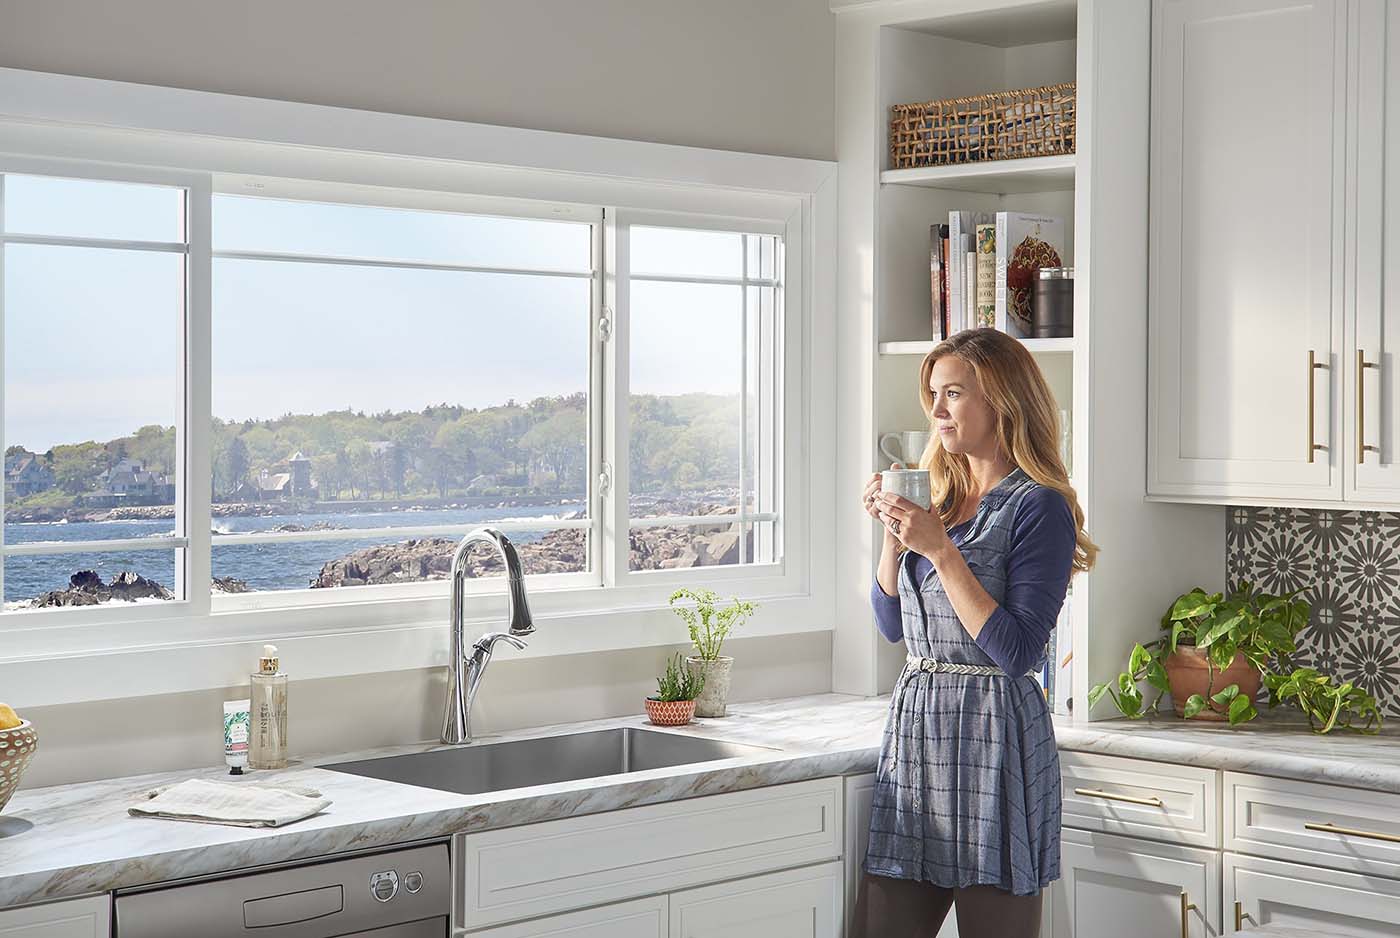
986,275
969,310
937,235
959,243
948,329
1025,242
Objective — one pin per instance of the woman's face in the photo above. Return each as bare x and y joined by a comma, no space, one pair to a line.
962,417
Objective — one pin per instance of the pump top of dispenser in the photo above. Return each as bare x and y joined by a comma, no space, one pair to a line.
268,663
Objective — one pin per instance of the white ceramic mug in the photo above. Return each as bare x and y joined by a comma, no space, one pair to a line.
913,484
911,444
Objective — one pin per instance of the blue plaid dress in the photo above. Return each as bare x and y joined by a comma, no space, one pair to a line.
970,794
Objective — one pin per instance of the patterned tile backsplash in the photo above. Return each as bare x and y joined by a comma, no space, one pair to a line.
1348,565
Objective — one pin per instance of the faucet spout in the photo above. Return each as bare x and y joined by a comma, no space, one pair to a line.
466,668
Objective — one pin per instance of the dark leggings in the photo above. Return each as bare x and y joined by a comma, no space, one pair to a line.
904,908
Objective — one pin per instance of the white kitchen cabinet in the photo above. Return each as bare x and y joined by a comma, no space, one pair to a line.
74,918
1112,885
640,918
1247,209
801,903
1270,892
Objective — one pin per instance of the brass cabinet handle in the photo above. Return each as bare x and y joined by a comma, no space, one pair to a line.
1095,793
1313,365
1329,828
1239,915
1186,906
1361,365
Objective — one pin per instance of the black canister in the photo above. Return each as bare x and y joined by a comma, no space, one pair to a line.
1052,303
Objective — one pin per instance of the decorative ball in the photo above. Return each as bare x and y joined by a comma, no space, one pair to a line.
1021,271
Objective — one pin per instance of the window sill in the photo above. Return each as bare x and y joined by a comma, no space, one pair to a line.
390,644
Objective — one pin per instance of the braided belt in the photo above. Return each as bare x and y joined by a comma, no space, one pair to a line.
915,665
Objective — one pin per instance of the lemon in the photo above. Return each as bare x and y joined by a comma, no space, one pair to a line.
8,718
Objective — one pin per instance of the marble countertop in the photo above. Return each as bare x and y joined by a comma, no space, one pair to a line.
72,840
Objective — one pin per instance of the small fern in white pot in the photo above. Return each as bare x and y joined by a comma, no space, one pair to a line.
709,626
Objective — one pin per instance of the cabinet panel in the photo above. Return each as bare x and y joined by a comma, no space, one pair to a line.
1246,241
1344,905
1107,793
1110,882
75,918
537,869
640,918
805,903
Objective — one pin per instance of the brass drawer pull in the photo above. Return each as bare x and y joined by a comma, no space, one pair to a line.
1187,906
1361,365
1096,793
1240,916
1313,365
1330,828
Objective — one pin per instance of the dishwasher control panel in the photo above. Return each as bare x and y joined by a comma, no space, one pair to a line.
327,899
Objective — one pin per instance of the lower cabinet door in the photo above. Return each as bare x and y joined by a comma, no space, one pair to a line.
75,918
1329,902
640,918
802,903
1113,885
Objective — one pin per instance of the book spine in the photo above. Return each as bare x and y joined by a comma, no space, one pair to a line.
1003,236
969,288
986,275
935,282
943,282
955,271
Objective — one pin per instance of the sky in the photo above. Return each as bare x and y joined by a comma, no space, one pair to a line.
92,334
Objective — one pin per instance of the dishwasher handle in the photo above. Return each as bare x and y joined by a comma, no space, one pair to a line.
293,907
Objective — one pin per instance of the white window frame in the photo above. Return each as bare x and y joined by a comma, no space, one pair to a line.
88,654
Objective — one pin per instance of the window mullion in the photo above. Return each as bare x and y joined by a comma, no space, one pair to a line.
615,551
2,390
197,478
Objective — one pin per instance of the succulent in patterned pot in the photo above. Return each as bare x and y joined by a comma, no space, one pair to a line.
709,625
673,704
18,740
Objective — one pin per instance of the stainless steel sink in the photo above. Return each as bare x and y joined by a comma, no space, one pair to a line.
524,762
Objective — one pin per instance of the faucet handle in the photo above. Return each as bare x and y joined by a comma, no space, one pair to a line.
488,641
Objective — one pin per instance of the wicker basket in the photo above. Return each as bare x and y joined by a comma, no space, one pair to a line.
1005,125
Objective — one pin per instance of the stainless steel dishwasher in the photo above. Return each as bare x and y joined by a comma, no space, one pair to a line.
396,894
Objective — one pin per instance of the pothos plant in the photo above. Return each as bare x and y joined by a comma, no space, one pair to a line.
708,625
1264,629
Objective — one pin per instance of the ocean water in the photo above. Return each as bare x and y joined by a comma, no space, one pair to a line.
273,566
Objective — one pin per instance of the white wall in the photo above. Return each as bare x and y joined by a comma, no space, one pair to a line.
106,739
750,75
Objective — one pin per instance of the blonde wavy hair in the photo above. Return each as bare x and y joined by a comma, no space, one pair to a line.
1027,426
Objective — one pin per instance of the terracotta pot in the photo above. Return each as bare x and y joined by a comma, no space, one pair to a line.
1189,672
715,695
670,712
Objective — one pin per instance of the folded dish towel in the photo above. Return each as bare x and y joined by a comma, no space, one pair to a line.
241,805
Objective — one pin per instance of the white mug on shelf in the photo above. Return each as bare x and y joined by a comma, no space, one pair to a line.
910,443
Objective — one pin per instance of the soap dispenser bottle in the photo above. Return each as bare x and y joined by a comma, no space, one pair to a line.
267,743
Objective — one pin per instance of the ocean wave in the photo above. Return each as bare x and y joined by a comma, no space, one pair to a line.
20,604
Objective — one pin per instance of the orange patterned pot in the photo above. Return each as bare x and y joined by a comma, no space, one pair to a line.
16,748
670,712
1189,672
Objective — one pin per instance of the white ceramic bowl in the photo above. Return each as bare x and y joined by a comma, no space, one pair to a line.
17,747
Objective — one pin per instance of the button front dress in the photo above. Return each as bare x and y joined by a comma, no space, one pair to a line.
967,791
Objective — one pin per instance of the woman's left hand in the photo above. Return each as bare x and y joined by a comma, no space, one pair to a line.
917,529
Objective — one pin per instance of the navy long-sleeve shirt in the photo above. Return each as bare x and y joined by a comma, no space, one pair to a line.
1038,566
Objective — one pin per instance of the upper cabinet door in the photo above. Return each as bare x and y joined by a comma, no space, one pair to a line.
1247,191
1373,393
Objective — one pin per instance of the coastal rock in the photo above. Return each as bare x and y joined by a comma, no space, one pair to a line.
229,584
85,588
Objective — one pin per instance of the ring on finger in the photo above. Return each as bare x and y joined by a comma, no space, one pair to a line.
895,525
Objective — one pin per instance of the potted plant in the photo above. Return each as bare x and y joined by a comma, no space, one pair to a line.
708,628
673,704
1216,651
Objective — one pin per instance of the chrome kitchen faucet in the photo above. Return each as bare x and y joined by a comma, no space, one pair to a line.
465,669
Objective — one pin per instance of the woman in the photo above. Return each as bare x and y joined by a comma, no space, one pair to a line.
966,805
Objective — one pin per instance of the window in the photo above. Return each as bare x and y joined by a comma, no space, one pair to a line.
380,378
95,302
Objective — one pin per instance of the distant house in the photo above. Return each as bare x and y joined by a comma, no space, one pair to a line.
296,482
482,483
26,474
128,482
